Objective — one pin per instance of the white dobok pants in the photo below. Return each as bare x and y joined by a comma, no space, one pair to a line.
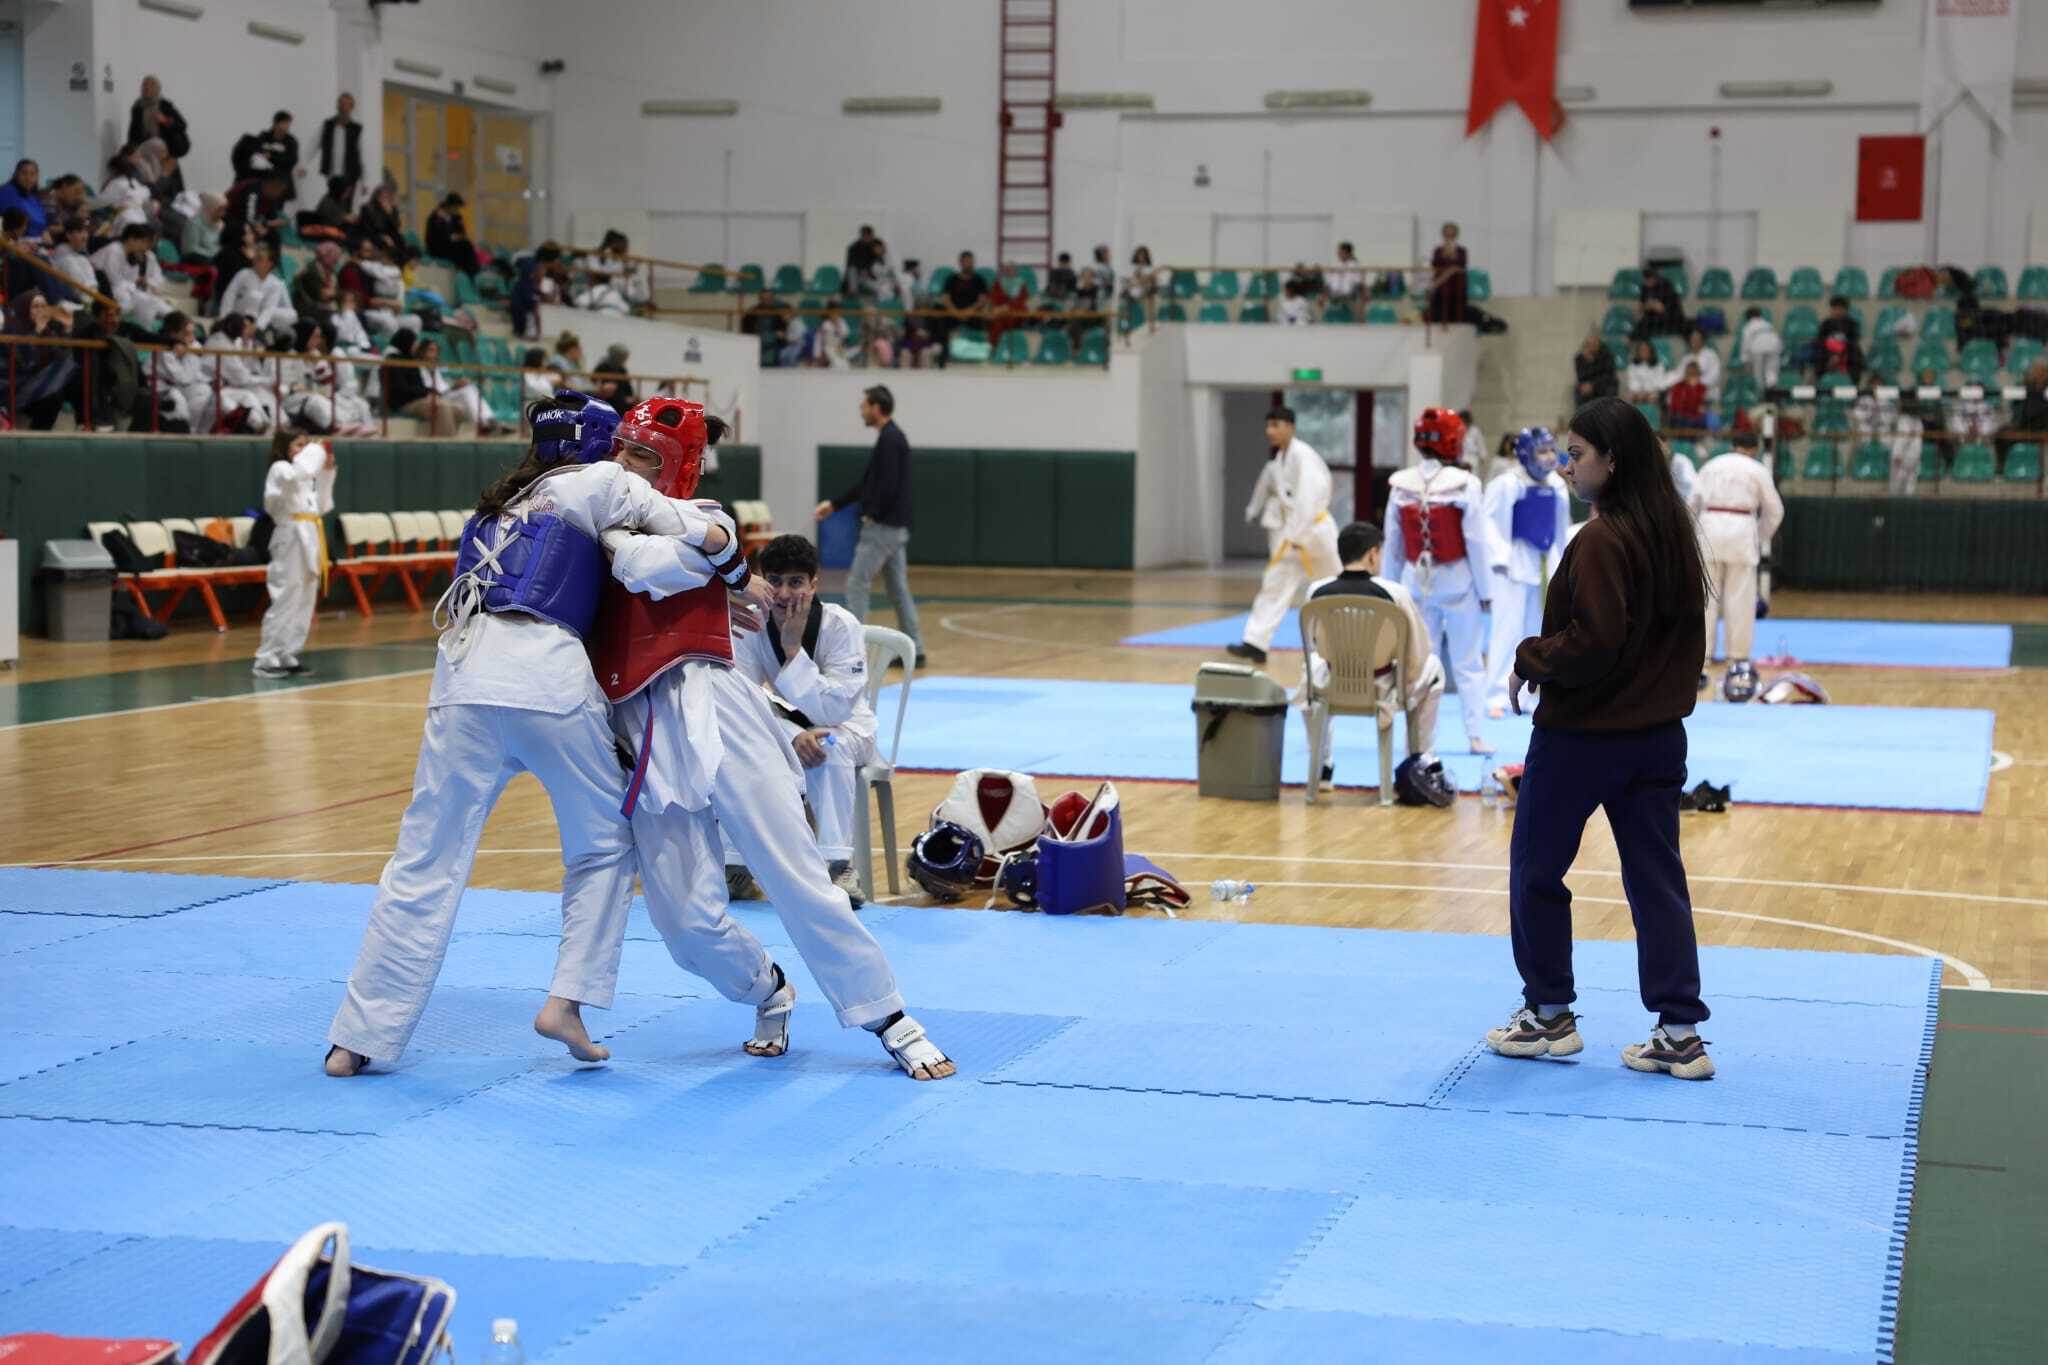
467,756
1290,569
1731,591
1457,630
1517,614
756,801
294,594
832,789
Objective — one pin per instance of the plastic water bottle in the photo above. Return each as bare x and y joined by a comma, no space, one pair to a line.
1491,794
1230,892
504,1348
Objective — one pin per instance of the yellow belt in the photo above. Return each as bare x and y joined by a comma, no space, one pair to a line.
320,524
1301,550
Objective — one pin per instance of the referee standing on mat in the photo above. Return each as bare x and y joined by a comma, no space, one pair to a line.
883,495
1615,673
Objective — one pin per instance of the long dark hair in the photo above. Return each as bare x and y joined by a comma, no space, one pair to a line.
1641,504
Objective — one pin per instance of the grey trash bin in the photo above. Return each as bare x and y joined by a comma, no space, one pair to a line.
1240,729
78,582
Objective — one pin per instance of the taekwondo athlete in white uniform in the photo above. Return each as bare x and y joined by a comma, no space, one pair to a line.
513,692
298,492
1292,501
709,756
1739,511
812,657
1438,535
1530,510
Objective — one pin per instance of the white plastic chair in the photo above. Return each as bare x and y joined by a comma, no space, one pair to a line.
885,646
452,523
1357,636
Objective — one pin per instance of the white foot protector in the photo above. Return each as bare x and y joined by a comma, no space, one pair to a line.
914,1052
771,1021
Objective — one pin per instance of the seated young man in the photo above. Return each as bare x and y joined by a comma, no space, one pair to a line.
813,658
1358,546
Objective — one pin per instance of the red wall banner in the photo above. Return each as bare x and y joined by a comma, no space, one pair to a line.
1890,175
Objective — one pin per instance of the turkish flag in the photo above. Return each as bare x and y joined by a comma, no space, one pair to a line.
1889,177
1514,57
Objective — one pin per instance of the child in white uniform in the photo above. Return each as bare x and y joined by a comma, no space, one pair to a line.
1292,501
297,493
1531,541
512,692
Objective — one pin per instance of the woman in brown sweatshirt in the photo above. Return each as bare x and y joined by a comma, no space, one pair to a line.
1615,673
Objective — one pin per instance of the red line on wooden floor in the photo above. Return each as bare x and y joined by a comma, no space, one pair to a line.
246,824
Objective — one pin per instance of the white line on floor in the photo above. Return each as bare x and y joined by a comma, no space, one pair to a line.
952,624
210,701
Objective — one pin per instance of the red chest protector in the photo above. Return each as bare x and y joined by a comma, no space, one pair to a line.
1438,528
637,639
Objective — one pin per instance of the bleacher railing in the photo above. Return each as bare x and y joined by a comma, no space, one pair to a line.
82,398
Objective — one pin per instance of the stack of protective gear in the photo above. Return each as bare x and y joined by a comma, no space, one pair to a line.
1794,688
1739,684
989,815
1081,854
1421,780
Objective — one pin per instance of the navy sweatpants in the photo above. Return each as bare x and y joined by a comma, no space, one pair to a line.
1636,777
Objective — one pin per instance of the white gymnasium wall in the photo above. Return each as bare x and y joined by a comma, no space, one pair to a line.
57,121
1641,144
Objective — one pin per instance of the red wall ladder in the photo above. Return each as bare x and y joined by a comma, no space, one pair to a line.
1027,64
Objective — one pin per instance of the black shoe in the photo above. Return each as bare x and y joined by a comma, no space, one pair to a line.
1705,683
300,670
1329,774
1247,651
920,658
1706,798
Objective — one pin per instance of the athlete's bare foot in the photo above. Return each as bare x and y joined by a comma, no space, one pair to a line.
1480,746
342,1062
1496,713
562,1020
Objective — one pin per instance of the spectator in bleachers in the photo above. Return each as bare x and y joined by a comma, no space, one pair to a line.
826,349
274,152
1646,379
1143,281
44,378
70,257
1294,305
351,337
136,280
2030,414
1061,283
1969,419
248,399
259,293
916,289
882,284
381,287
341,148
1593,370
316,292
964,297
378,220
22,192
615,283
330,219
65,199
1306,279
568,358
609,377
1447,282
124,195
536,280
1847,358
1760,347
767,318
1347,282
184,382
448,235
420,390
1685,403
255,214
1702,356
1097,289
159,169
539,383
1010,296
323,394
860,254
918,350
153,116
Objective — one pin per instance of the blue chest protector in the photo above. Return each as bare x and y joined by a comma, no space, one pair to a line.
541,566
1535,520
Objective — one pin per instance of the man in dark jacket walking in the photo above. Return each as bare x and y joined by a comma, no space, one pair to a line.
883,495
272,152
341,147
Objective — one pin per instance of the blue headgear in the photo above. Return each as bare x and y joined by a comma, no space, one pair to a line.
1536,448
572,426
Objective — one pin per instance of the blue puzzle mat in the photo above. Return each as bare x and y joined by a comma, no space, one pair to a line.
1169,1140
1878,757
1895,644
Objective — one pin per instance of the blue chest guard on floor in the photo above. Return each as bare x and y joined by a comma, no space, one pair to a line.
1535,518
541,566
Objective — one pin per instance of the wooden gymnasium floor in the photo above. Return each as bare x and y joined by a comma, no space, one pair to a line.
163,756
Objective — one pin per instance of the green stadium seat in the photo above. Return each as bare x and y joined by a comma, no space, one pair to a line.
1930,461
1627,284
1172,311
1990,282
1872,463
2034,282
290,235
2025,351
493,350
1056,349
1130,316
166,252
941,276
1668,349
1979,361
1801,326
1254,312
749,280
1856,316
1012,348
1382,315
986,274
1821,462
1741,389
1760,283
789,279
1478,286
2022,463
1888,319
1931,354
1888,283
1975,463
1676,274
1264,285
1222,285
1787,466
710,280
1339,312
1939,324
1029,277
466,290
1213,312
825,280
1619,322
1884,360
1805,283
1830,418
1618,348
1185,285
1687,449
1852,282
1094,348
1652,414
1716,283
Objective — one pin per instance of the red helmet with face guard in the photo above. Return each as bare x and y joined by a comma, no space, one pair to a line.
1440,432
673,431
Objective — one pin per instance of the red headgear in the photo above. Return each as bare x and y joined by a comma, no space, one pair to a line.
1439,432
671,429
